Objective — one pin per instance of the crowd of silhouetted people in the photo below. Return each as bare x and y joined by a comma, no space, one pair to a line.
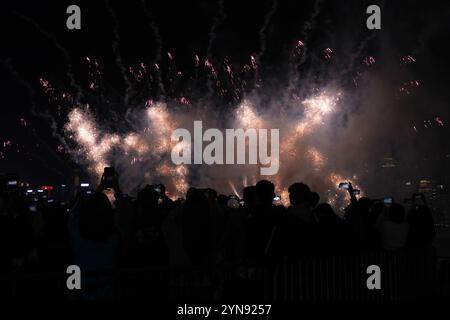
205,228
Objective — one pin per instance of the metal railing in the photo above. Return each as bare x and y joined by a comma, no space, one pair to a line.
409,274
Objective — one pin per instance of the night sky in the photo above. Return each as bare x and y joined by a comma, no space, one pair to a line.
419,28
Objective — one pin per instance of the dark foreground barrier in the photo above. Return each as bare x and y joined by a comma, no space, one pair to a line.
409,274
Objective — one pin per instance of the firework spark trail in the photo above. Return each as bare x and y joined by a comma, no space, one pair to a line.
244,181
247,116
309,25
156,33
357,53
309,118
43,115
262,31
96,148
69,73
7,64
220,17
301,48
143,154
94,145
294,75
233,188
116,51
159,45
316,108
262,37
163,126
317,159
360,48
212,78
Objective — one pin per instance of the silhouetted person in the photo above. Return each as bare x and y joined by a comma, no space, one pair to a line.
95,244
392,227
164,202
187,231
333,234
263,217
148,243
421,227
294,236
196,228
361,216
218,216
92,232
301,202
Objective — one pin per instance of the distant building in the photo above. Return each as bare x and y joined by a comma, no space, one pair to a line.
388,162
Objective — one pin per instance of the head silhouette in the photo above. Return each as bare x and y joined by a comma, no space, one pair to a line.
299,193
265,192
147,204
196,226
96,218
249,195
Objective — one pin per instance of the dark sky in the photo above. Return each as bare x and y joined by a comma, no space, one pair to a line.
27,53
